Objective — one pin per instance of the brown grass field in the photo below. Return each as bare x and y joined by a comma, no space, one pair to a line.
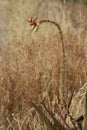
30,61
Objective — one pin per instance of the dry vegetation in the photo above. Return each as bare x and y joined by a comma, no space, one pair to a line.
30,62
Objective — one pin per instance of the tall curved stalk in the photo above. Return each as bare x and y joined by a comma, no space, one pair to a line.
62,86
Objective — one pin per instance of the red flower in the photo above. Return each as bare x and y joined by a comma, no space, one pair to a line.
33,22
29,20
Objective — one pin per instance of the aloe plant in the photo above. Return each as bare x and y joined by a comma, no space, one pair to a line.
57,125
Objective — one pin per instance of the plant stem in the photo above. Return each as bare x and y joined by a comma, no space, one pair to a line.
62,89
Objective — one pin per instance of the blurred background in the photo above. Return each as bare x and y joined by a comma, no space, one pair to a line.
30,61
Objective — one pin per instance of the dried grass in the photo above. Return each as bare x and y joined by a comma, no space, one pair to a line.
30,62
